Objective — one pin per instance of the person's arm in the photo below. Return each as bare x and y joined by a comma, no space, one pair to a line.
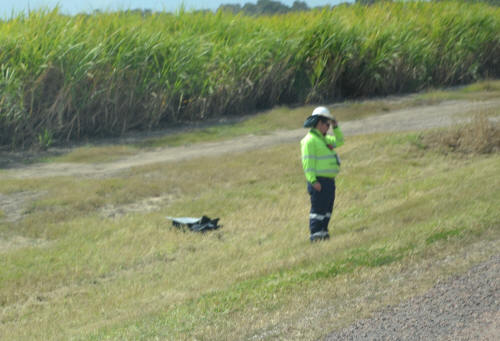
339,136
337,139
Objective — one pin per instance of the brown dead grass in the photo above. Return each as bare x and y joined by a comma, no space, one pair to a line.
480,136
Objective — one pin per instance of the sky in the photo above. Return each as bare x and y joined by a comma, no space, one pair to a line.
10,7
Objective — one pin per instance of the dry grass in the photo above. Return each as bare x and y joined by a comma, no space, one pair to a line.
399,208
478,91
95,259
480,136
92,154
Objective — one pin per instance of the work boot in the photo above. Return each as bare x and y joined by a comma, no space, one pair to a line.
321,235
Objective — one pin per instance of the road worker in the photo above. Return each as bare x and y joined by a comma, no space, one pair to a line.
321,165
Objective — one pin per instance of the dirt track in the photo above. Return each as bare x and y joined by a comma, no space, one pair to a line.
416,118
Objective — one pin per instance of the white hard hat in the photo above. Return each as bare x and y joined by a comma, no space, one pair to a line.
323,112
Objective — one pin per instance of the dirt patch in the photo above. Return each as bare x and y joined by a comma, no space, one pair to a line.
13,205
143,206
13,208
11,243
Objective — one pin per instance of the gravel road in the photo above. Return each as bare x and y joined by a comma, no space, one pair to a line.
466,307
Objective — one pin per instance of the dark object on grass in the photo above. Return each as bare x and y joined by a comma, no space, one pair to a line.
202,224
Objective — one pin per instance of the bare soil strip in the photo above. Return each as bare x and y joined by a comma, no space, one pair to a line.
416,118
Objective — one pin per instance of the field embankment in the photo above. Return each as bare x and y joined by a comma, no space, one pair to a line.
66,78
94,258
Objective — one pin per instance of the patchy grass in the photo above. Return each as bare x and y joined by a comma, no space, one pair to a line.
480,136
400,223
486,87
440,235
479,91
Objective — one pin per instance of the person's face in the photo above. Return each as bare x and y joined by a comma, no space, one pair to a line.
323,126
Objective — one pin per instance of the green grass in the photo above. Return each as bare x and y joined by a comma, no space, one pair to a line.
400,222
443,235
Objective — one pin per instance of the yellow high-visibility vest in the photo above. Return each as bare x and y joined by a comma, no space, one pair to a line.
318,154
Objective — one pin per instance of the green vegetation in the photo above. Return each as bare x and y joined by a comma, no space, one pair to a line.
108,73
406,214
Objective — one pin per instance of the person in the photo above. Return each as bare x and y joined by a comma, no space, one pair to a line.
321,165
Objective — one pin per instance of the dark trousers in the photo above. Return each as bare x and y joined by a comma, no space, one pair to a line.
321,207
